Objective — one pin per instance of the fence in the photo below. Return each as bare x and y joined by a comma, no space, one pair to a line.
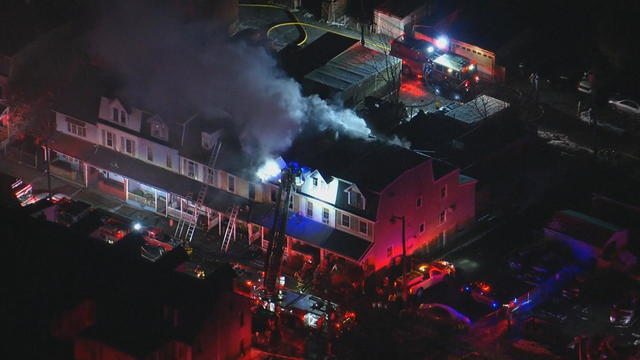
21,156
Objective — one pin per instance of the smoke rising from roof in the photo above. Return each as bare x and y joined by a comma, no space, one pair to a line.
174,67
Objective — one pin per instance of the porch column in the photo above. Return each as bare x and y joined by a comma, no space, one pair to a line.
155,199
85,168
235,225
323,255
219,223
249,231
126,189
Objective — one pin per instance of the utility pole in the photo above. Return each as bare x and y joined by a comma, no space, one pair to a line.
48,152
404,257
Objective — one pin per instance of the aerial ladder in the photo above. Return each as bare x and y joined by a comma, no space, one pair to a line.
231,228
187,225
275,249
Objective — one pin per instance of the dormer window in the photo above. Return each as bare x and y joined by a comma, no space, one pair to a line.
119,116
158,129
315,181
355,199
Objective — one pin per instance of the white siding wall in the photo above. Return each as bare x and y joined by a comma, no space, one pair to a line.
323,191
106,113
91,130
160,153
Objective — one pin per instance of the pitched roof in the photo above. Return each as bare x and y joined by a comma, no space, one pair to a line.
369,163
351,67
478,109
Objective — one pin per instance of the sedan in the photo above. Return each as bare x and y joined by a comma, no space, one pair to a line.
482,293
624,314
626,106
445,316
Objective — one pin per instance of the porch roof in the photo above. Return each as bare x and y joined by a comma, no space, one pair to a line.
142,172
314,233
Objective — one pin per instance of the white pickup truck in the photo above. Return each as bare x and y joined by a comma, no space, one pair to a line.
426,276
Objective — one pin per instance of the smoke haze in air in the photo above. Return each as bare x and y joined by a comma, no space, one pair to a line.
170,64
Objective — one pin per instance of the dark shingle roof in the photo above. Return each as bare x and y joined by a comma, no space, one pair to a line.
370,164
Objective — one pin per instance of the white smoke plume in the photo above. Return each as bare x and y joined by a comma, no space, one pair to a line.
169,63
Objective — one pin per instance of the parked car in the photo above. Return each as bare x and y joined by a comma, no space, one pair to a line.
70,212
624,313
574,289
584,86
151,252
156,237
113,230
625,106
34,198
444,316
482,293
426,276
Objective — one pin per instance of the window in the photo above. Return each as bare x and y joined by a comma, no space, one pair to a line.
231,184
419,202
274,195
149,153
315,182
115,115
169,161
190,168
209,179
443,192
76,128
325,215
443,216
123,117
389,251
364,228
252,191
129,146
346,220
421,228
309,209
355,199
108,139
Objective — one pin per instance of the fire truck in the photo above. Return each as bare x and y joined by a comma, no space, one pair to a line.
449,74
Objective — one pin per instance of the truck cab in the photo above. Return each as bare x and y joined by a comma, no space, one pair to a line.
426,276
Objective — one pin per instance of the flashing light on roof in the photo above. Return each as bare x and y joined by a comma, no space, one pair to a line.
442,42
430,49
269,170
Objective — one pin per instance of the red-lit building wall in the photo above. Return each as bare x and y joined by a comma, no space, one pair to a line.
401,198
227,334
89,349
71,322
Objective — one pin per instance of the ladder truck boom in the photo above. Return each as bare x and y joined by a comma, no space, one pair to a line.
275,250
